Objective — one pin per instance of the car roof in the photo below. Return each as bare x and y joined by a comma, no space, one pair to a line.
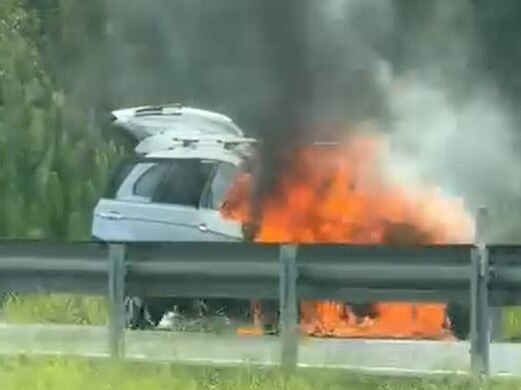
210,152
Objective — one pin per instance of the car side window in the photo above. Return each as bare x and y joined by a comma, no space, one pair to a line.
148,183
184,182
219,186
118,177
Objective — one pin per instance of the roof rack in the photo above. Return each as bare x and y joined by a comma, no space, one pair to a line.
226,142
166,141
158,109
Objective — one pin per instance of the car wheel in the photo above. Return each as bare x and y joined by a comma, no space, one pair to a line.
459,318
136,313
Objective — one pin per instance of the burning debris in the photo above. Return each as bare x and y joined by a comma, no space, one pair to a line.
340,194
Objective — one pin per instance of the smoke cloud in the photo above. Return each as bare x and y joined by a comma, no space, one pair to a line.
451,126
428,72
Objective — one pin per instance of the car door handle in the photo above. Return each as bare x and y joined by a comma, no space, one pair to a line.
203,227
112,215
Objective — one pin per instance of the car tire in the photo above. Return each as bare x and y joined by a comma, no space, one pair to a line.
136,314
459,318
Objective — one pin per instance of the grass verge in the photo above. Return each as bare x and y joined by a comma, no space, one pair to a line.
58,373
54,308
512,323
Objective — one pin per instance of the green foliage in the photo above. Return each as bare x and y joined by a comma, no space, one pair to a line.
512,323
54,308
54,165
74,373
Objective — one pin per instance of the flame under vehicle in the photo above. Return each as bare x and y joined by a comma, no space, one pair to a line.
173,189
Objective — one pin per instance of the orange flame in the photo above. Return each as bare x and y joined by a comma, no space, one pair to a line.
341,195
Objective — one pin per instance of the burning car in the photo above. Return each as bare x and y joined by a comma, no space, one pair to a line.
171,190
191,180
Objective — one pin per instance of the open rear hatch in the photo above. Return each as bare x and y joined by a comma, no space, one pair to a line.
145,121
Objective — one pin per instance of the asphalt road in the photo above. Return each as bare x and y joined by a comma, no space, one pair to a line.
385,356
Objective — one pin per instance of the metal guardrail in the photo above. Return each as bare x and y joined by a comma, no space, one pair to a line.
476,274
241,270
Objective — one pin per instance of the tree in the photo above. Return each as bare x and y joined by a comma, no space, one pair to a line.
51,174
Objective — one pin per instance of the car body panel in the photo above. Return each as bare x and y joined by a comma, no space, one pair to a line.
216,228
172,136
130,217
135,217
145,121
213,223
125,221
209,152
171,140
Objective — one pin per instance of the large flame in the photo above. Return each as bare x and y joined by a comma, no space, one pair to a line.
342,194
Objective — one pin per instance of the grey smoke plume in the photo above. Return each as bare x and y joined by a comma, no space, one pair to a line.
240,57
416,70
451,126
434,74
284,29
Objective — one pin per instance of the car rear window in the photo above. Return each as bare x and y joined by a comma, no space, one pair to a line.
120,173
220,185
171,181
185,182
146,186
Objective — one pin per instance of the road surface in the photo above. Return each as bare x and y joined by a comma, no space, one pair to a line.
384,356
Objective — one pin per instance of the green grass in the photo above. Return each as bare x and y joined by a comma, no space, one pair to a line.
54,308
74,373
512,323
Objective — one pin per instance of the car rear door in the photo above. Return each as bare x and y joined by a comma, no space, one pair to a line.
215,227
156,201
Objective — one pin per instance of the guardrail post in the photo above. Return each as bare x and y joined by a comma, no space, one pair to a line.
117,256
480,316
288,306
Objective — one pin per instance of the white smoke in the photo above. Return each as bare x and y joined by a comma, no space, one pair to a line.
464,148
447,127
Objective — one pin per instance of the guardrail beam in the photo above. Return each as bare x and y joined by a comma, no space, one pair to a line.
354,273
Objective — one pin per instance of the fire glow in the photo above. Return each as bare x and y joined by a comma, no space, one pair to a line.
340,194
